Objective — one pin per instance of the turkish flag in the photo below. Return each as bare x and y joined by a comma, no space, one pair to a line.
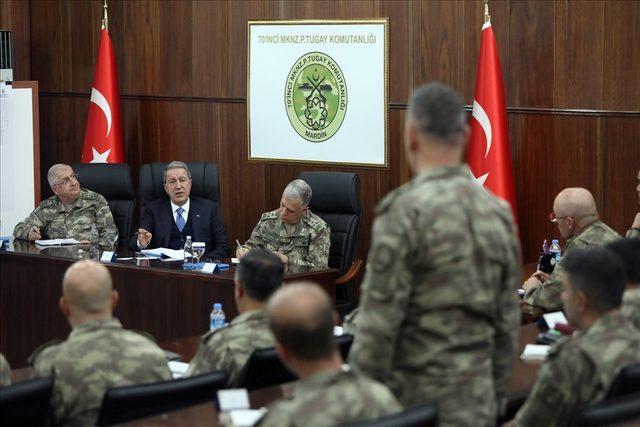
103,137
488,155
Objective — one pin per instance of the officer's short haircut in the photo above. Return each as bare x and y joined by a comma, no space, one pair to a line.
629,252
298,189
260,272
438,112
599,273
175,164
308,336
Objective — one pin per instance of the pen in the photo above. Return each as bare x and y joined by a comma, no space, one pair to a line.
240,246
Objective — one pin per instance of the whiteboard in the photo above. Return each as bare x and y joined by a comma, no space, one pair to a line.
19,156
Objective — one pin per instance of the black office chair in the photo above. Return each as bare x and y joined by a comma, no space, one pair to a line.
264,368
419,416
113,181
205,182
26,403
626,382
336,199
128,403
621,410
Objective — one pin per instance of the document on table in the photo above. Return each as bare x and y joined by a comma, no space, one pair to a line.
535,352
165,253
554,318
57,242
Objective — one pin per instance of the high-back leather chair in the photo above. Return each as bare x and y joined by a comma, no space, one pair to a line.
336,199
619,411
626,382
26,403
419,416
264,368
122,404
205,182
113,181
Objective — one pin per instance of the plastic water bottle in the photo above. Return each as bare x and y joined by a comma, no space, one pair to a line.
217,317
188,259
555,250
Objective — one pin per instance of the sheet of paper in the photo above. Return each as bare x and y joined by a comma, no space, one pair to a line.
553,318
233,398
165,253
178,369
535,352
57,242
246,417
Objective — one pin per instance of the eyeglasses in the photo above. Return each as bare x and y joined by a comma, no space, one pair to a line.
553,218
68,180
174,182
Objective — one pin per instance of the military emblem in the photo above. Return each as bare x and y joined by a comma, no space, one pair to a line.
315,96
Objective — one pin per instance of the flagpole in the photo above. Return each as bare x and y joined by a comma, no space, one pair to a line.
105,18
487,18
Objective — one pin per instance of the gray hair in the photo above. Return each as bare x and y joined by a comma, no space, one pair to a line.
298,189
437,110
175,164
52,174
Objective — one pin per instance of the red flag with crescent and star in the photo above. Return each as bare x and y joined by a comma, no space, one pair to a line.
103,136
489,155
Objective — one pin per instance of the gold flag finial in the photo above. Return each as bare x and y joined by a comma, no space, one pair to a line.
487,18
105,18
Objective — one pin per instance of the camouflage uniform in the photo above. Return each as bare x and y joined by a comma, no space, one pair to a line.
438,318
331,398
97,356
580,370
633,233
229,348
631,306
75,221
307,245
547,295
5,372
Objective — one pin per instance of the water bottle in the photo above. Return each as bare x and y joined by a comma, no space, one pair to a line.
188,252
555,250
217,317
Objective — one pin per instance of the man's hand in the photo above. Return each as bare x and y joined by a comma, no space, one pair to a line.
34,234
636,221
144,237
282,257
541,276
531,283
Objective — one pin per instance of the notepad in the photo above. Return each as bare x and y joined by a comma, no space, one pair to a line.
535,352
165,253
56,242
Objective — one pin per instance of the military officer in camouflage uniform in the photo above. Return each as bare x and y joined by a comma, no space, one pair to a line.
258,275
634,231
579,370
73,213
293,232
575,213
5,372
99,354
301,317
629,252
438,315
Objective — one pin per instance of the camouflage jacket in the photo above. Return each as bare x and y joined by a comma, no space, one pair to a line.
5,372
97,356
633,233
438,317
631,306
75,221
329,399
307,245
580,370
547,295
229,348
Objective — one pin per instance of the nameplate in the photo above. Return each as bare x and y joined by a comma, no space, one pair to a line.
233,398
107,256
208,267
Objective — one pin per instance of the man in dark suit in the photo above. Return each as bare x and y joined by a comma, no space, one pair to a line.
167,223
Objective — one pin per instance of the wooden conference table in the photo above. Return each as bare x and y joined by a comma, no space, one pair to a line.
155,296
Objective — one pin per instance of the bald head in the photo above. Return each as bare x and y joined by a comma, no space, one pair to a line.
87,288
576,202
301,318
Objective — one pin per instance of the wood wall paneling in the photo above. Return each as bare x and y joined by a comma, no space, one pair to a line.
14,16
183,83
